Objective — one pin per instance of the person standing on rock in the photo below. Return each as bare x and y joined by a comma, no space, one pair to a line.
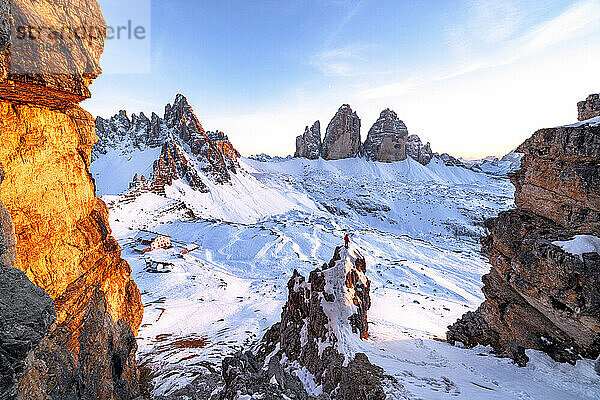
346,240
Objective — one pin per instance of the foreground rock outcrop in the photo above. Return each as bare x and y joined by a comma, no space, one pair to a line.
60,229
26,315
386,140
542,290
321,318
342,137
589,108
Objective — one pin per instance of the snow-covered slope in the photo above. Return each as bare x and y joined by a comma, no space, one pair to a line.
510,162
592,122
113,170
417,226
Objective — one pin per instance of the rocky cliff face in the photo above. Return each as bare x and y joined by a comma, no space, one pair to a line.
31,74
589,108
342,138
187,149
539,295
308,145
321,317
173,164
63,241
386,140
26,315
417,150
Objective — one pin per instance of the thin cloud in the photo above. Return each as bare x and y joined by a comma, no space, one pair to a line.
329,41
579,19
350,60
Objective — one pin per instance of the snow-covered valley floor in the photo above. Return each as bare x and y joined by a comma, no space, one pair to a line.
418,228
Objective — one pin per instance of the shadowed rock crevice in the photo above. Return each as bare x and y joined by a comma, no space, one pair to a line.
26,315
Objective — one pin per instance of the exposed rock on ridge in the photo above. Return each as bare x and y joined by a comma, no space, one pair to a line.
185,146
417,151
308,337
308,145
539,296
589,108
342,138
173,164
386,140
63,241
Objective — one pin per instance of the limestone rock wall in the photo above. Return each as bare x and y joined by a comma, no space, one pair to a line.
589,108
342,138
308,145
559,177
386,140
537,296
63,241
54,79
417,150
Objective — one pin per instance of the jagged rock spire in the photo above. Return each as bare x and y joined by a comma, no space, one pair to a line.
417,150
308,145
322,316
342,138
212,151
386,140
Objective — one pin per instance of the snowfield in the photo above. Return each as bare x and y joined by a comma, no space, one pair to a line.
417,227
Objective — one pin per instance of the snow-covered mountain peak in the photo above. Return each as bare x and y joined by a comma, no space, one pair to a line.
174,147
181,114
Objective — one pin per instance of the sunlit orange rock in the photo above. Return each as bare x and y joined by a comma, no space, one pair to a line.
63,240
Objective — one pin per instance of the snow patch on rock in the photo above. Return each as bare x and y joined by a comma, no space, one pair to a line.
580,245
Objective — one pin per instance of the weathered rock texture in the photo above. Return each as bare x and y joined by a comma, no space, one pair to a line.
210,153
26,314
342,138
308,145
54,79
173,164
589,108
309,336
537,295
63,241
386,140
417,150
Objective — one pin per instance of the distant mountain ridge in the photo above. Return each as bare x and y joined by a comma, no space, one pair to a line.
187,150
388,140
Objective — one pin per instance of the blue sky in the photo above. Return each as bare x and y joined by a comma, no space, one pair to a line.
472,77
